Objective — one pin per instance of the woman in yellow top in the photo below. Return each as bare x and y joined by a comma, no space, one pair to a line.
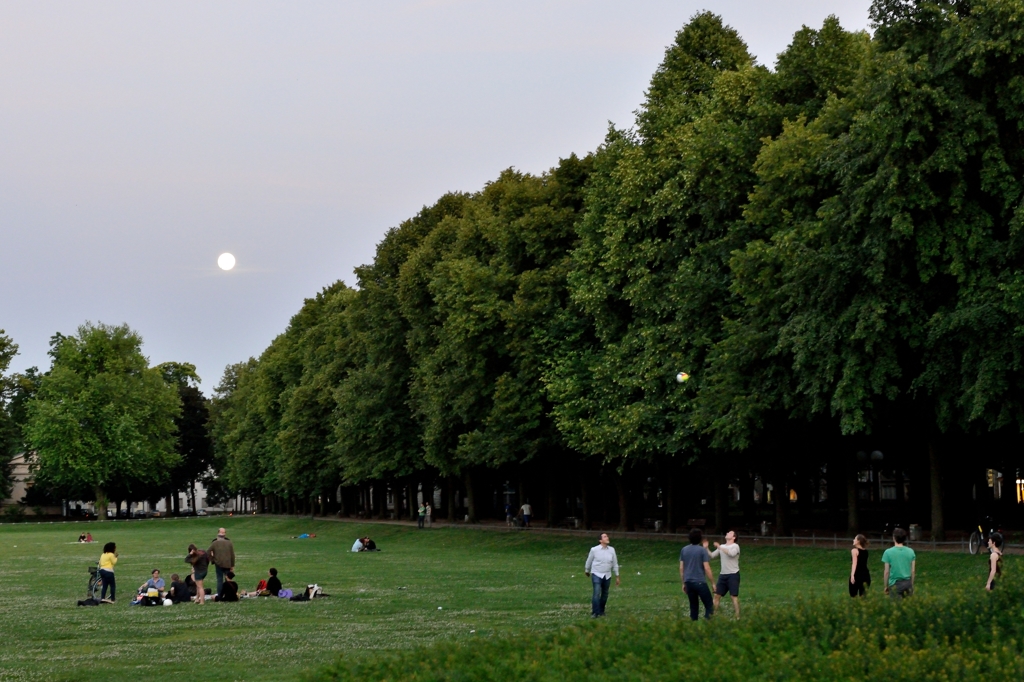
107,561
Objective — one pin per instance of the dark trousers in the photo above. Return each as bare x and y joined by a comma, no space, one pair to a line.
858,589
699,590
420,524
600,597
901,589
107,580
221,572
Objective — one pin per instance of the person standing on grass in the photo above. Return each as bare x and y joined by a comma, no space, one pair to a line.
527,511
222,554
694,567
430,516
601,562
900,566
729,574
860,574
995,560
108,559
421,515
200,561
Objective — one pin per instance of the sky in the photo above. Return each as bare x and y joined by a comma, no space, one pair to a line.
139,141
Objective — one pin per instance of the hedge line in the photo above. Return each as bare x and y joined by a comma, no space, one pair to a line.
965,634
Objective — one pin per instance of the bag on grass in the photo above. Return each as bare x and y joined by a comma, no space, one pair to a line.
285,594
89,602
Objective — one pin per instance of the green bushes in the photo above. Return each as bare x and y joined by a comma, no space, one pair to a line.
961,635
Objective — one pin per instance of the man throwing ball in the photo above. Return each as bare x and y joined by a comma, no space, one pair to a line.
729,576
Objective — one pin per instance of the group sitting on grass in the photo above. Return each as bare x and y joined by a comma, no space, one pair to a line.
364,544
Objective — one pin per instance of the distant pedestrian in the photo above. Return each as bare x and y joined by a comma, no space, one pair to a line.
860,574
729,574
601,563
694,567
995,560
222,554
527,511
421,516
108,559
430,516
900,566
508,514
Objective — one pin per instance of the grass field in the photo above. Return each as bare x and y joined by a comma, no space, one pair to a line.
485,582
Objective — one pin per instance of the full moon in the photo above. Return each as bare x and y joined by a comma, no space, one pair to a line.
226,261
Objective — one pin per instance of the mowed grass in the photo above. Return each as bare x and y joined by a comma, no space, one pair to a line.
486,582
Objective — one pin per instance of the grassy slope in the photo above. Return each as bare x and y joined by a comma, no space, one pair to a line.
489,582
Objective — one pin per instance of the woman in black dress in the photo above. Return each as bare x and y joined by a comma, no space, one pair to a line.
860,576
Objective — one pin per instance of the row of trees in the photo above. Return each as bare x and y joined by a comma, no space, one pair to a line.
102,424
832,250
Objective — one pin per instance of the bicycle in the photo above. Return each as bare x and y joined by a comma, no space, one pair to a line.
95,583
979,538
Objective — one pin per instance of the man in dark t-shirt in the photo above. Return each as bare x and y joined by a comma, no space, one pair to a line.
694,565
179,592
273,583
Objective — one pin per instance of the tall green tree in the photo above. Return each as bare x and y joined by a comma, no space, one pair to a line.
192,441
9,432
102,418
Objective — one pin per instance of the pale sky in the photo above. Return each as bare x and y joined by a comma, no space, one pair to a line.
138,141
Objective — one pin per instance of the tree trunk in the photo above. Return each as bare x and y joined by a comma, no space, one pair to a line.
781,494
177,504
747,499
585,498
938,521
552,499
451,499
671,513
193,489
101,504
470,497
413,506
620,487
852,503
721,491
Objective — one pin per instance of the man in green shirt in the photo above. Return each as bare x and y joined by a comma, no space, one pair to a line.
900,566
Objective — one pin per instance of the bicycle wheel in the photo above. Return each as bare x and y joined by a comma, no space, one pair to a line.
974,544
95,586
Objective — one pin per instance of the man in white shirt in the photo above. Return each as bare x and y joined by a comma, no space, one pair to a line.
600,564
527,511
729,576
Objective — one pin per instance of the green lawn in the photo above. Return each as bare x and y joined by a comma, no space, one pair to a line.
485,582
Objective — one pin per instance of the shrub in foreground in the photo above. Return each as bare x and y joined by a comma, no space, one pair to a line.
959,635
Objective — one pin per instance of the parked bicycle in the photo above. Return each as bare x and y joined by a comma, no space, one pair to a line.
979,538
95,584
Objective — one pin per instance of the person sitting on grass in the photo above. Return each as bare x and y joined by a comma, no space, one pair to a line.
81,538
180,593
155,582
369,545
273,583
228,589
88,537
358,546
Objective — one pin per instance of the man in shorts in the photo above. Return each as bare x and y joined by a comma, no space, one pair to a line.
900,566
729,575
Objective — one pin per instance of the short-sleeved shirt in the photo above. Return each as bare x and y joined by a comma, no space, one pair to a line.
156,584
899,558
694,558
